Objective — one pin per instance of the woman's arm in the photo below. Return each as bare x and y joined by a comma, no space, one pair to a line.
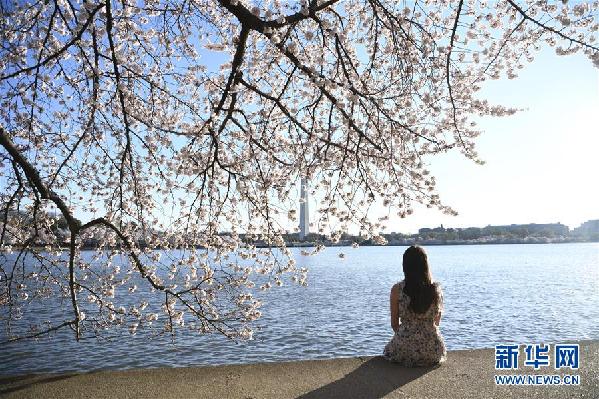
394,305
437,319
439,304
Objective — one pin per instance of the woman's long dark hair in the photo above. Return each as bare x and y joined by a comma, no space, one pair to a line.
418,281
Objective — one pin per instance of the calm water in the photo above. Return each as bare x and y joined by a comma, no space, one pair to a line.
493,294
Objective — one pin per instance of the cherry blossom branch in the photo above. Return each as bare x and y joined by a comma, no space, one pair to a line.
549,28
40,333
33,175
447,72
74,224
235,65
64,48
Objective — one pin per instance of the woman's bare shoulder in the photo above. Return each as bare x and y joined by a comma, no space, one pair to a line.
396,288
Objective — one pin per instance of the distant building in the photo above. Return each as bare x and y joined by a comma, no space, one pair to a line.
588,227
550,229
555,228
426,230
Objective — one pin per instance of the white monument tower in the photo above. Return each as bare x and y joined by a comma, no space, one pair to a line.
304,222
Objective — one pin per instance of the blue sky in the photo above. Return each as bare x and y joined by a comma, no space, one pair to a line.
541,165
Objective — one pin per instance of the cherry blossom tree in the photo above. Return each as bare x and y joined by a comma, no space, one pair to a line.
171,135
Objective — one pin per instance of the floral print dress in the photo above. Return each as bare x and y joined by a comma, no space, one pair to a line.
418,341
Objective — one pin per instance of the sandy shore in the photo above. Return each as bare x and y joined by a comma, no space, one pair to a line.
466,374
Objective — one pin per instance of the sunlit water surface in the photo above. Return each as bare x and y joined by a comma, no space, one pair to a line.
493,294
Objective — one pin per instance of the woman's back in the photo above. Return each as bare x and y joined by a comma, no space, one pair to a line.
409,316
417,340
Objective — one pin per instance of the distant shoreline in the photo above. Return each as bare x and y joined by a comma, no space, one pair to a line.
436,243
347,243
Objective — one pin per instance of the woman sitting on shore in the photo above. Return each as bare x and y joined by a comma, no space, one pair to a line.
418,302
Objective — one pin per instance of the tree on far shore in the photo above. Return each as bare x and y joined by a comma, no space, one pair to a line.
168,122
